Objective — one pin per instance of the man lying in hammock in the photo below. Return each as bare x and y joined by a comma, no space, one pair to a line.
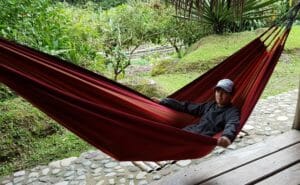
216,116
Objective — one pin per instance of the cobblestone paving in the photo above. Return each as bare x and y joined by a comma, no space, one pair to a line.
271,116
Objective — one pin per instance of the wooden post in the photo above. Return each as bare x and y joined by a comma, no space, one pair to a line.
297,114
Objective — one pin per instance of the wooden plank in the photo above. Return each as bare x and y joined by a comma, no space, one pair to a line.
288,176
259,169
231,160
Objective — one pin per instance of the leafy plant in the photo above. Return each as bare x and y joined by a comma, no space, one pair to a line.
183,33
226,15
105,4
123,30
58,29
6,93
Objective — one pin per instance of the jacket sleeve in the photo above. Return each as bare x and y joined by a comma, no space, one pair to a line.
232,119
187,107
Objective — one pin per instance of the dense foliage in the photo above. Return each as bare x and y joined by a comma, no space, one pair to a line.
105,4
6,93
230,16
91,37
55,29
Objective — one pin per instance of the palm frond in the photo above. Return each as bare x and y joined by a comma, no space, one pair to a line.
188,7
224,14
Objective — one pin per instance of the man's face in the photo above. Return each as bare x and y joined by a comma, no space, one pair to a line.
222,97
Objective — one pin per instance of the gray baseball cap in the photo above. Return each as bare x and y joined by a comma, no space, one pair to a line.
225,84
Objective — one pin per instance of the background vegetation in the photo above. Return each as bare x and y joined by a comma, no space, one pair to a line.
102,36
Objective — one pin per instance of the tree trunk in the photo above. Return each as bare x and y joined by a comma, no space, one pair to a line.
177,49
297,116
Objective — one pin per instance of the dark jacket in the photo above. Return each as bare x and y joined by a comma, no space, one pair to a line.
213,118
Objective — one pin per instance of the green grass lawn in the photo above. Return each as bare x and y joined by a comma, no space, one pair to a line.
172,82
284,78
293,40
216,46
220,46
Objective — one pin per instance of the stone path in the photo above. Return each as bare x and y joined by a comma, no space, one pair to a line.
271,116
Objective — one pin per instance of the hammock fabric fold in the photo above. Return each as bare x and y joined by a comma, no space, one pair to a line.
126,124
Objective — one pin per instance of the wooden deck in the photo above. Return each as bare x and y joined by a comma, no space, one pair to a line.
272,162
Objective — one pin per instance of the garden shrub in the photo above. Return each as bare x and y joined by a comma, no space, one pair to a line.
163,66
170,66
6,93
145,86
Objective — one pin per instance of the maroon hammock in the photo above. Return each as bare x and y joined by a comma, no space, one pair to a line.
123,123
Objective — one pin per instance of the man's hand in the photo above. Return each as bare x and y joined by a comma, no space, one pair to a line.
157,100
224,141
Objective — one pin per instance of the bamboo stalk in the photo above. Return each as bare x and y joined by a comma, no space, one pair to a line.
153,165
143,166
296,124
